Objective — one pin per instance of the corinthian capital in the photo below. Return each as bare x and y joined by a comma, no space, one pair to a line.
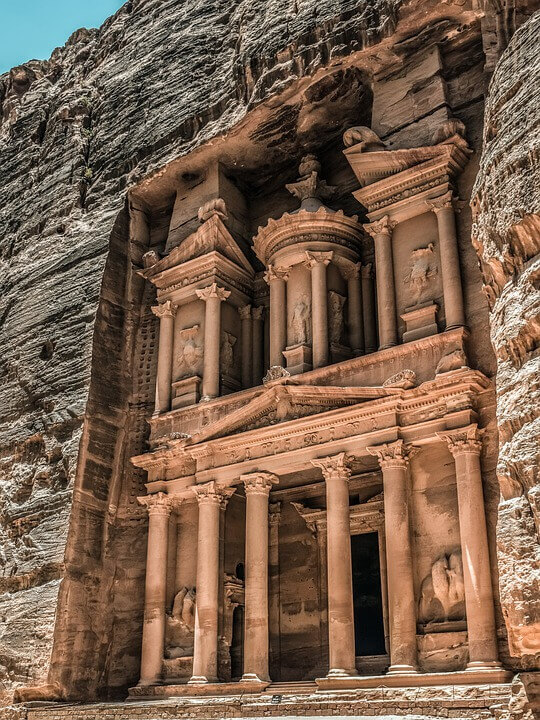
351,271
391,455
164,309
382,227
257,313
462,440
274,273
245,312
316,258
211,494
213,291
442,202
259,483
334,467
157,504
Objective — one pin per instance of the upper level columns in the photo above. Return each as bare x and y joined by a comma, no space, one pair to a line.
355,314
213,296
465,446
278,314
368,308
394,461
205,654
165,312
153,640
381,231
448,249
336,472
247,345
317,262
257,486
258,344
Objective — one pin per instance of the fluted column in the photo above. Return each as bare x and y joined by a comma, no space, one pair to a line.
355,319
165,312
278,314
317,262
257,314
465,446
153,639
381,231
213,297
394,461
247,345
210,499
257,486
368,308
450,269
336,472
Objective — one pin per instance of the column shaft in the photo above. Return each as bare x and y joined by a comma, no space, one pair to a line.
393,460
213,296
481,629
450,269
258,345
247,346
257,487
274,608
205,654
368,308
339,566
317,262
278,317
165,313
355,312
153,639
384,272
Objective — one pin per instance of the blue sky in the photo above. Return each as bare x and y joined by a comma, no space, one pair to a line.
31,29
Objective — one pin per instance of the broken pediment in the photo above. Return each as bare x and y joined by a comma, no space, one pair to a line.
286,402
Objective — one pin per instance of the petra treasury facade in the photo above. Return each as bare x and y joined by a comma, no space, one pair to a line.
270,320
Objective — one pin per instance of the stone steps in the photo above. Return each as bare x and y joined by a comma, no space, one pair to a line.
300,687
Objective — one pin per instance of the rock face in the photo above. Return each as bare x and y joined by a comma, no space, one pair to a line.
112,108
506,233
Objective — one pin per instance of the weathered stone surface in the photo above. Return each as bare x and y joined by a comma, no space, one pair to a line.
506,201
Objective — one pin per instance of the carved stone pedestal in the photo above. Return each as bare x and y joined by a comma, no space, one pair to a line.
298,359
420,322
186,392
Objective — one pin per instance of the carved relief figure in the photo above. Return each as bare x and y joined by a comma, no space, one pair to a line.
191,354
442,594
422,268
300,322
335,316
228,342
181,625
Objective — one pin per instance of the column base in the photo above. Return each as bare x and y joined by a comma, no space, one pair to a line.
482,665
202,680
388,345
341,673
254,678
402,670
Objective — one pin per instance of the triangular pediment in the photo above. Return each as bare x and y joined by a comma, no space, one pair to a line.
283,403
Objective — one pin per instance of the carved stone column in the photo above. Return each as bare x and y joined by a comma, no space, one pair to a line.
274,604
450,270
258,344
317,262
381,231
165,312
368,308
278,314
205,654
465,446
247,346
336,472
394,462
153,640
213,297
257,486
355,312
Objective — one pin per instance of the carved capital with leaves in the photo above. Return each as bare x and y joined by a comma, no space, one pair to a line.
213,291
335,467
259,483
463,440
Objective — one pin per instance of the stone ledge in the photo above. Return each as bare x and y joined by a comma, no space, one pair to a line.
464,677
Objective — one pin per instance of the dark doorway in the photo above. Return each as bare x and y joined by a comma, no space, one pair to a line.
368,608
237,643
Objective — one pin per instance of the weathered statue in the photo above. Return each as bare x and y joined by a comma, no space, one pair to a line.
442,593
335,316
363,136
300,322
190,357
228,342
422,268
181,625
